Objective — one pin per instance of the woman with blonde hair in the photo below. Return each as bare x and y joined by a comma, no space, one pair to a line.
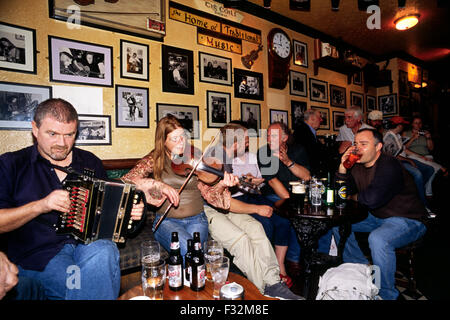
154,174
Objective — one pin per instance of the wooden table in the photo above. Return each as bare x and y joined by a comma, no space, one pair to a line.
250,291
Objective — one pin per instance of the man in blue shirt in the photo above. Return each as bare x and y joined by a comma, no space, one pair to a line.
31,198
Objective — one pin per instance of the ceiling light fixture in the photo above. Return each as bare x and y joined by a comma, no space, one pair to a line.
406,22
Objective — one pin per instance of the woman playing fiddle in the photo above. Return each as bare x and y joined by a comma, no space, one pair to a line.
186,216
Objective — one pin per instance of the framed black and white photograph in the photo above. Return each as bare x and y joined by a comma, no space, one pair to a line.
93,130
187,115
357,99
248,84
18,102
300,55
132,107
318,90
297,83
214,69
17,48
338,96
134,60
388,104
80,62
279,116
371,103
298,109
403,87
338,120
177,70
325,114
251,115
218,108
357,78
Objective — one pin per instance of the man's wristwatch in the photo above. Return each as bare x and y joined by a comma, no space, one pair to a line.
291,165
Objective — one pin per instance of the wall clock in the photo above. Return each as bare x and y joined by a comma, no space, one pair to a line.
280,51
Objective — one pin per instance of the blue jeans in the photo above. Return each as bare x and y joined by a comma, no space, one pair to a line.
185,228
81,272
421,174
385,236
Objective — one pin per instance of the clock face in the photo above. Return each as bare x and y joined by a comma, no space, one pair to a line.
281,45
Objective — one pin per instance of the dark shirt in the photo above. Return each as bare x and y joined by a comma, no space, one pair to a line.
386,189
25,177
271,166
304,136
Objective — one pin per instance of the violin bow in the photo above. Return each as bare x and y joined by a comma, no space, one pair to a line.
184,184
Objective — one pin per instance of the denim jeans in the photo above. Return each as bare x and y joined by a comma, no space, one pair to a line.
185,228
421,173
385,236
81,272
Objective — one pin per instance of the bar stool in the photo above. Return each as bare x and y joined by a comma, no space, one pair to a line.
409,252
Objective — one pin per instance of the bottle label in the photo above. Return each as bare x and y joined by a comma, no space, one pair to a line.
201,272
330,196
174,245
342,192
175,278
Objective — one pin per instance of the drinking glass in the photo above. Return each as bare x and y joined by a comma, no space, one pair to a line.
153,279
353,157
219,272
316,194
150,251
213,250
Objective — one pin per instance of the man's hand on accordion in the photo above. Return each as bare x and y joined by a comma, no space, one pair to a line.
157,192
57,200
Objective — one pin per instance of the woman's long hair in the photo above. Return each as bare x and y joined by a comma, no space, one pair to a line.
165,126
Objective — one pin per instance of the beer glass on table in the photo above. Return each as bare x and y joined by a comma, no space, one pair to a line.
213,250
219,272
298,192
153,278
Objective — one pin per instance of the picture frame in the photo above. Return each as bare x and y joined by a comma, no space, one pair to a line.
248,84
218,108
298,109
18,102
318,90
298,83
388,104
357,99
187,115
338,96
279,116
134,60
177,70
215,69
300,53
18,48
371,103
403,86
338,120
115,16
357,78
325,113
132,107
73,61
251,115
93,130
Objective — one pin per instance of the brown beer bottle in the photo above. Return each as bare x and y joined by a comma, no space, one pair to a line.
198,271
175,265
188,260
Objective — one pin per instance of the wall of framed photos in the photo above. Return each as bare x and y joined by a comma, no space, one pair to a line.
132,135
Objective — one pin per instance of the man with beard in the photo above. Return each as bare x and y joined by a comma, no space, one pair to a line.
32,197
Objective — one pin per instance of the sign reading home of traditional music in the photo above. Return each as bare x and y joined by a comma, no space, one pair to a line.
219,41
206,21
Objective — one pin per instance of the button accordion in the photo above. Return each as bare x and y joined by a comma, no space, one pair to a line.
99,209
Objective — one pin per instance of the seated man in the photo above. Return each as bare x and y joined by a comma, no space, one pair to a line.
380,183
243,236
353,122
281,162
32,198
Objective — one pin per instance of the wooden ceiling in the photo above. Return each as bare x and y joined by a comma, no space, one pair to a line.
429,41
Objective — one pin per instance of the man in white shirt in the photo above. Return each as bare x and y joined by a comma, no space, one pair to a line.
353,122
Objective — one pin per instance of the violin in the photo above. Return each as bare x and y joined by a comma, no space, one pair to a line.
209,171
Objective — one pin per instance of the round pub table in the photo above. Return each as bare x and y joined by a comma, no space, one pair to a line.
250,291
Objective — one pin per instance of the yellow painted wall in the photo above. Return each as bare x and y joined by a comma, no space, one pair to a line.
130,143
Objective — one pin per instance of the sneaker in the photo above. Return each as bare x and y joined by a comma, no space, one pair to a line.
281,291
